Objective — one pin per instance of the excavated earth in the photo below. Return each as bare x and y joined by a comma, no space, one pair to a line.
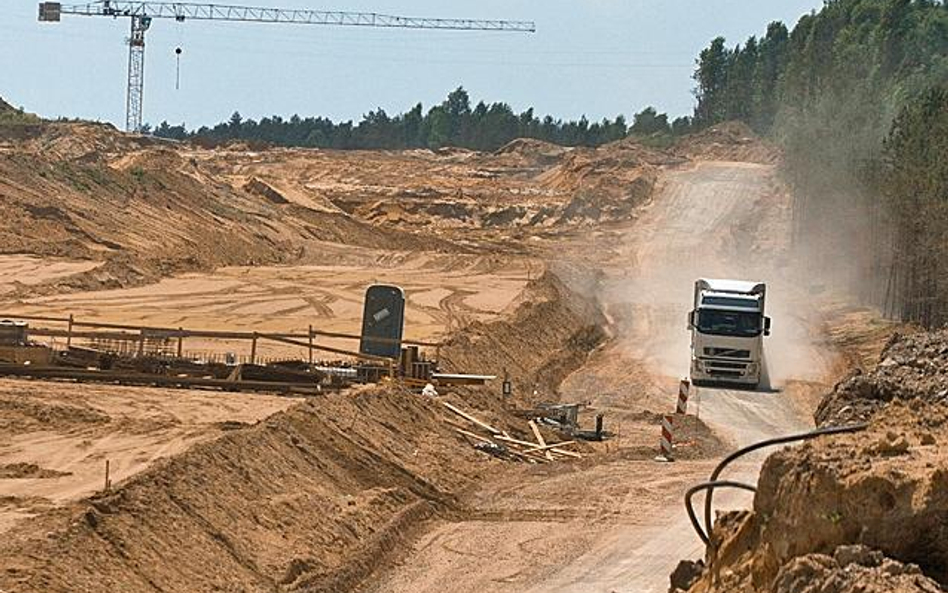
313,498
140,209
862,512
242,493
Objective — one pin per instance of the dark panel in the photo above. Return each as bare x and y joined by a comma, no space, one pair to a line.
383,320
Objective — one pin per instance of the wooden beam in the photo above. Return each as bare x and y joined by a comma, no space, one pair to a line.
539,436
474,436
564,452
547,448
467,416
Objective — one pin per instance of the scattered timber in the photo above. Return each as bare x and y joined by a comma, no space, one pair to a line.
497,440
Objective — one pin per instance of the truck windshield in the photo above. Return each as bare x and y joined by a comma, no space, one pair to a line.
729,323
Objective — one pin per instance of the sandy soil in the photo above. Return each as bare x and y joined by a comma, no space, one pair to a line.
463,233
72,429
133,428
315,498
695,227
149,209
28,270
444,292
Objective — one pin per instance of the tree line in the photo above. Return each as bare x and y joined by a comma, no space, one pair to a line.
856,96
454,122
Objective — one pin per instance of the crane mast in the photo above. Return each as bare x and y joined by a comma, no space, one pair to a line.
141,15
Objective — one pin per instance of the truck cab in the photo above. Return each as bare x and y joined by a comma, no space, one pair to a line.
728,326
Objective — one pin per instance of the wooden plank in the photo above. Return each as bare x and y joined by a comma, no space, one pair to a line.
477,437
508,439
549,447
473,419
539,436
532,458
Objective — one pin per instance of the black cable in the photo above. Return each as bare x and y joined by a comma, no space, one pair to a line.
709,486
768,443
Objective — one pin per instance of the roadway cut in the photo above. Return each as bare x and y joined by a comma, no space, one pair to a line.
619,525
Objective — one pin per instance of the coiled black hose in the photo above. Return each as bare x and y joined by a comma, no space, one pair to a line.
712,482
709,486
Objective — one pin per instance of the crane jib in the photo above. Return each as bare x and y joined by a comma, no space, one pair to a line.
184,11
141,14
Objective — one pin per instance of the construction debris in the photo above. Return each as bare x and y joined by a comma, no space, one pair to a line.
538,452
565,418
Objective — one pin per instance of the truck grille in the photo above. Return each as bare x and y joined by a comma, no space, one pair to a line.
727,352
718,364
723,373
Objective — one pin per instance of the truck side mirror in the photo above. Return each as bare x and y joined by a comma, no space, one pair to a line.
691,320
766,326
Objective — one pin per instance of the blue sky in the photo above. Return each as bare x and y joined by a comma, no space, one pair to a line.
592,57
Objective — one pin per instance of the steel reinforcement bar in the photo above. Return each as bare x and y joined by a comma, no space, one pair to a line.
132,378
172,332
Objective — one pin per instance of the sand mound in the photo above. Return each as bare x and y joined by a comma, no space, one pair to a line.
308,499
86,191
883,489
851,569
605,184
730,141
150,208
312,499
545,336
27,470
533,152
83,141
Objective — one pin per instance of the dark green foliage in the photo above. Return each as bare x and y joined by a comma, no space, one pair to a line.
648,122
771,61
168,131
711,76
829,92
915,187
452,123
682,126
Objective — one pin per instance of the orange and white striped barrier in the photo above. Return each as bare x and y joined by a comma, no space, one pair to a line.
684,390
667,439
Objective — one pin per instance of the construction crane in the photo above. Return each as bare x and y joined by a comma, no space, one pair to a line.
141,15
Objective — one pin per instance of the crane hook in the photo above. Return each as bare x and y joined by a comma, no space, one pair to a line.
177,72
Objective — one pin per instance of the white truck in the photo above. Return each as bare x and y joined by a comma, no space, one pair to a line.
728,326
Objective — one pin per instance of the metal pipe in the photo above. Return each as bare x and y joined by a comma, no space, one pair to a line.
768,443
291,342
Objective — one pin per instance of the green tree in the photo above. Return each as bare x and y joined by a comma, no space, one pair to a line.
771,61
648,122
711,76
742,66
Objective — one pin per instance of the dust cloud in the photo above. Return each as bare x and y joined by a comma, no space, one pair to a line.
718,220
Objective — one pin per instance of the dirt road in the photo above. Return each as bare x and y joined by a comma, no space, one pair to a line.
619,525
